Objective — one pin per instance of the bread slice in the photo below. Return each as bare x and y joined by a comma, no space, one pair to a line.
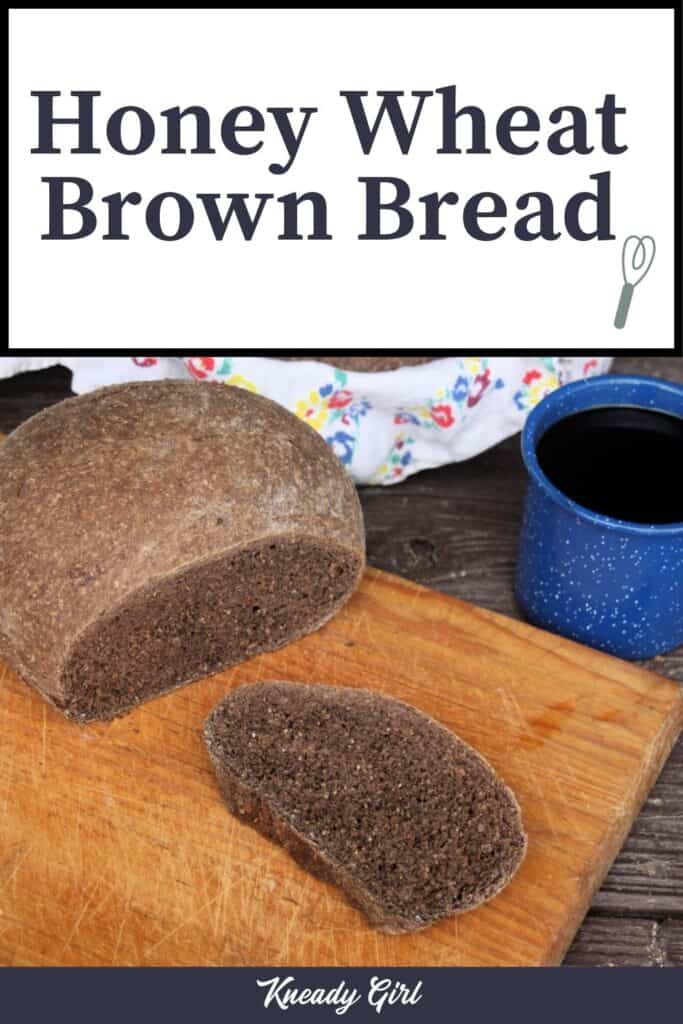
153,533
368,793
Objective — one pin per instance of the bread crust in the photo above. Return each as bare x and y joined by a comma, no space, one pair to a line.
366,364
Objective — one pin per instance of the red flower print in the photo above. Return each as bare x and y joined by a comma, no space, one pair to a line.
531,376
590,365
144,360
339,399
443,415
201,366
482,380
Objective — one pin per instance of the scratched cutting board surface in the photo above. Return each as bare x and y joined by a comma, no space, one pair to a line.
115,847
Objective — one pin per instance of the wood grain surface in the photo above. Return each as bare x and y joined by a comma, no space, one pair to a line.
455,529
117,849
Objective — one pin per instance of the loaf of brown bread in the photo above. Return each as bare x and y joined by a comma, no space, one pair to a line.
366,364
153,533
368,793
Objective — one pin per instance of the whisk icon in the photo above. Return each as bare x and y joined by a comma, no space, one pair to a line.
637,255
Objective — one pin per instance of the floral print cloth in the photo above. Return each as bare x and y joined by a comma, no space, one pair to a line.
383,426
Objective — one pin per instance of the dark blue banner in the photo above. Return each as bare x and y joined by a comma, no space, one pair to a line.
194,995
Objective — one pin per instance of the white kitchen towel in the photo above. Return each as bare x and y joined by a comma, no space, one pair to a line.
383,426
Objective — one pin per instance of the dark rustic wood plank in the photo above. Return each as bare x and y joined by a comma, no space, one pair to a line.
670,367
627,942
455,529
647,876
27,393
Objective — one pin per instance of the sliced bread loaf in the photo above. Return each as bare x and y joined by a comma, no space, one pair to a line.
153,533
368,793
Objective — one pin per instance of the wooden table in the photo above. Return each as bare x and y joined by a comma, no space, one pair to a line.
455,529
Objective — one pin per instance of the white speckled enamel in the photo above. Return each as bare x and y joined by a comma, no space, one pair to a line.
614,585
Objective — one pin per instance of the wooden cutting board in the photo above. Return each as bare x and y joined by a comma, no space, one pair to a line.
116,849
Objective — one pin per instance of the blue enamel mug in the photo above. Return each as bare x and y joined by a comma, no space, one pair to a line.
610,583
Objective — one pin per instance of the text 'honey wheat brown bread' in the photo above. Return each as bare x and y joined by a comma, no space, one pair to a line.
368,793
153,533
